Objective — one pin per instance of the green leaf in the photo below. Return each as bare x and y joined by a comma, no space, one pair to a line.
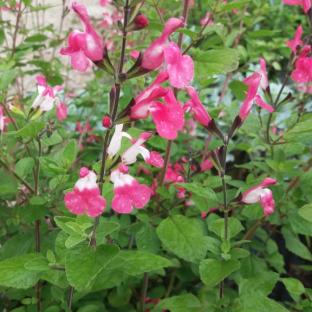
8,184
204,197
184,237
306,212
147,239
139,262
6,78
24,166
13,272
70,153
38,264
105,228
2,36
294,287
84,263
257,303
36,38
214,271
294,244
126,264
182,303
265,282
233,5
234,227
216,61
300,131
239,89
31,130
54,139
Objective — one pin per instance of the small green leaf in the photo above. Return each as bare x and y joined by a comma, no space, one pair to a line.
84,263
306,212
147,240
182,303
184,237
294,287
24,166
13,272
70,153
234,227
216,61
214,271
257,303
6,78
139,262
31,130
294,244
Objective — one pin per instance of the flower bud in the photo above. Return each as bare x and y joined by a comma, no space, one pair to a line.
141,21
107,121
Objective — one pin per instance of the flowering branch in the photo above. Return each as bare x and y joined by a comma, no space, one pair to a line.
169,143
113,112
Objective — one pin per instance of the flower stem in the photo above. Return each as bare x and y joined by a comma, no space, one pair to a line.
144,291
20,179
37,222
70,298
225,200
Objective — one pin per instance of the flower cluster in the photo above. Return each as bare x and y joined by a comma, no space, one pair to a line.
128,192
175,71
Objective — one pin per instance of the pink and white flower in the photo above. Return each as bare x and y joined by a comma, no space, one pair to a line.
85,197
3,120
253,83
264,83
260,193
128,192
305,4
85,46
115,143
130,155
195,106
154,55
47,96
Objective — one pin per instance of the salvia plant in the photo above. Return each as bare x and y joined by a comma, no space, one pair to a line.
155,155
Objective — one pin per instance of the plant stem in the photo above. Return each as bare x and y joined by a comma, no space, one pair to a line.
70,298
144,291
166,163
250,233
225,200
25,183
18,18
171,284
37,222
276,102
